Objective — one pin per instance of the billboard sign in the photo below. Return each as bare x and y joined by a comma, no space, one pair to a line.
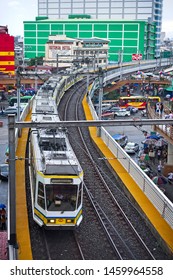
60,50
136,56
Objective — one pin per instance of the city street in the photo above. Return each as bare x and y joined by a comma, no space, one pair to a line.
134,134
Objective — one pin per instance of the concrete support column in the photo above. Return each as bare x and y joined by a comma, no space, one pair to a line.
170,154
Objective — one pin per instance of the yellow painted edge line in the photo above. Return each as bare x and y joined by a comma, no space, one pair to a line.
151,212
61,176
22,225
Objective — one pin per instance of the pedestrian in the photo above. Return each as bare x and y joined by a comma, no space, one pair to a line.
165,155
171,115
152,155
3,222
3,219
159,154
159,168
161,109
157,108
170,177
3,211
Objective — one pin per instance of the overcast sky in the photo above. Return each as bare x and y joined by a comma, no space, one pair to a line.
14,12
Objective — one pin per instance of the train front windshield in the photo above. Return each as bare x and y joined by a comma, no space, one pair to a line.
61,197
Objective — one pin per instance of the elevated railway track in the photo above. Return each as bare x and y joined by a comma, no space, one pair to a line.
92,124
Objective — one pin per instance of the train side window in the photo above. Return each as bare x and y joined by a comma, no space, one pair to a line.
79,196
41,197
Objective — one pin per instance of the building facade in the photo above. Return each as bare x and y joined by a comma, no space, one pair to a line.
126,37
106,9
63,51
6,52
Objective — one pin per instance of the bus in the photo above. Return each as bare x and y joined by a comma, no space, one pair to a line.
139,102
23,101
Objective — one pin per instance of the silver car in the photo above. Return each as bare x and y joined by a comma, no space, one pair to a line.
11,110
122,113
4,170
131,148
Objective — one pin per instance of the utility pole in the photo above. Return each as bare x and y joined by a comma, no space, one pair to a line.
160,58
100,77
87,85
120,62
94,62
12,184
36,78
18,84
139,58
57,63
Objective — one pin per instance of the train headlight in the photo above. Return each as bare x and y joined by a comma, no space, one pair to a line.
69,221
52,221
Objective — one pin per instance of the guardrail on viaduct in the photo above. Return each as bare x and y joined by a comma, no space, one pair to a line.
154,194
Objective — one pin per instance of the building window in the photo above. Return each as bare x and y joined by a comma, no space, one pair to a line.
53,5
90,5
130,10
144,4
77,5
103,5
65,5
42,6
130,4
65,11
42,12
142,16
103,11
145,10
77,10
116,4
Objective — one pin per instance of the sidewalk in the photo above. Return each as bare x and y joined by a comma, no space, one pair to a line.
166,188
3,245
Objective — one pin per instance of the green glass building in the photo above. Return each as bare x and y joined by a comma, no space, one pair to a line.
126,37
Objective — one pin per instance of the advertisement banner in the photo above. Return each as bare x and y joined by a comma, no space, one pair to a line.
136,56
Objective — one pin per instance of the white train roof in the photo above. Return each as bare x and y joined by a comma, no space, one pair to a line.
54,154
45,118
44,106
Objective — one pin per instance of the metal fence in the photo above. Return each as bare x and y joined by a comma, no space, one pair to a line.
154,194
